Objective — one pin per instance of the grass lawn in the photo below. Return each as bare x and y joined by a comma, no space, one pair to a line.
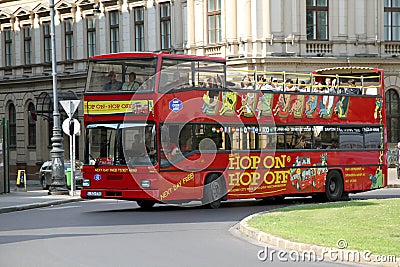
372,225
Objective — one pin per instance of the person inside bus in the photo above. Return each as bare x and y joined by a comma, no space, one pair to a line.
330,85
303,87
139,148
131,84
289,87
210,98
275,85
301,144
248,101
334,144
170,150
352,89
320,88
112,84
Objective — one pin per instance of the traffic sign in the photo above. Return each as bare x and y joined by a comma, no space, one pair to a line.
71,127
70,106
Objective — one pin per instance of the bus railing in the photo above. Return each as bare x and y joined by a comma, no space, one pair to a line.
307,82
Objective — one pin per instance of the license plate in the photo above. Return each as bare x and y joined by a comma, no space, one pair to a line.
93,194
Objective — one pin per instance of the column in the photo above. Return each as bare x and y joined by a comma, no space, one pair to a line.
80,40
17,42
191,25
37,41
60,50
125,28
102,32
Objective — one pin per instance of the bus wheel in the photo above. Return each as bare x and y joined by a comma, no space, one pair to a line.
333,186
214,191
145,204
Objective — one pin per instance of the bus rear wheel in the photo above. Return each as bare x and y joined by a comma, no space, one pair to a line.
145,204
214,191
334,186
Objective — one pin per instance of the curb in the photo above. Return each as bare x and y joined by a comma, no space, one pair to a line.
320,252
38,205
393,186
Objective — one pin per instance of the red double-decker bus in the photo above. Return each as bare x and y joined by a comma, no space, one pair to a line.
166,128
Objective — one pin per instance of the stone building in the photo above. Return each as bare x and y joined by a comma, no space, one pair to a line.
274,35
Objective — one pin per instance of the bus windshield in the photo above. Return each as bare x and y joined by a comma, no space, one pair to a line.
125,75
121,144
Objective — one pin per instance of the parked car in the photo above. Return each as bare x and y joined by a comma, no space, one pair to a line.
45,173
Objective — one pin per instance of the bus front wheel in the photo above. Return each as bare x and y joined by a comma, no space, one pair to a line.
214,191
334,186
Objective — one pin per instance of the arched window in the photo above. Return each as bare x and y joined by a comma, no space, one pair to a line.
392,115
12,118
31,126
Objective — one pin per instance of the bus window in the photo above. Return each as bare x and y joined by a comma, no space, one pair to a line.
175,74
327,136
372,140
350,140
138,144
186,138
291,139
101,140
280,141
208,137
98,72
266,141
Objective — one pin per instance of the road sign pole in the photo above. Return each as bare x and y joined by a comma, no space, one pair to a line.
71,156
71,127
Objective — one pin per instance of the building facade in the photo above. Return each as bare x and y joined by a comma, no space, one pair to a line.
273,35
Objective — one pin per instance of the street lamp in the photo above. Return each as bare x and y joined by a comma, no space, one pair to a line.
58,185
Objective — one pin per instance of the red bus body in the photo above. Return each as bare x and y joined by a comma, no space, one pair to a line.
357,121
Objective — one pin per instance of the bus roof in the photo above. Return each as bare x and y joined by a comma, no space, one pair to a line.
127,55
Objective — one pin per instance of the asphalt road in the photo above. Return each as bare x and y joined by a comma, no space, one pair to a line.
118,233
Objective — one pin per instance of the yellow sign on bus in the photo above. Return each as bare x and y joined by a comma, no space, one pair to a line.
139,107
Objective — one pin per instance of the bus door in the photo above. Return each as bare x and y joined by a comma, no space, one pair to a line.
177,167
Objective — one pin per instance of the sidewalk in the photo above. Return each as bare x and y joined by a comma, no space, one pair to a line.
393,182
34,197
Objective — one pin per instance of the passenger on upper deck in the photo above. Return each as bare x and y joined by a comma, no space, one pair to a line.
261,81
131,84
353,89
275,85
112,84
319,88
289,87
330,85
248,101
246,83
303,87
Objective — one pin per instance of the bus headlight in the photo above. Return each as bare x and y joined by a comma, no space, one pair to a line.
145,183
86,182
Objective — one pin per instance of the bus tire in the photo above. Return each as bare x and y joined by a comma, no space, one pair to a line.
334,186
214,191
145,204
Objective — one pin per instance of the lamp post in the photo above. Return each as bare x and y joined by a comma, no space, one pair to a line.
58,185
